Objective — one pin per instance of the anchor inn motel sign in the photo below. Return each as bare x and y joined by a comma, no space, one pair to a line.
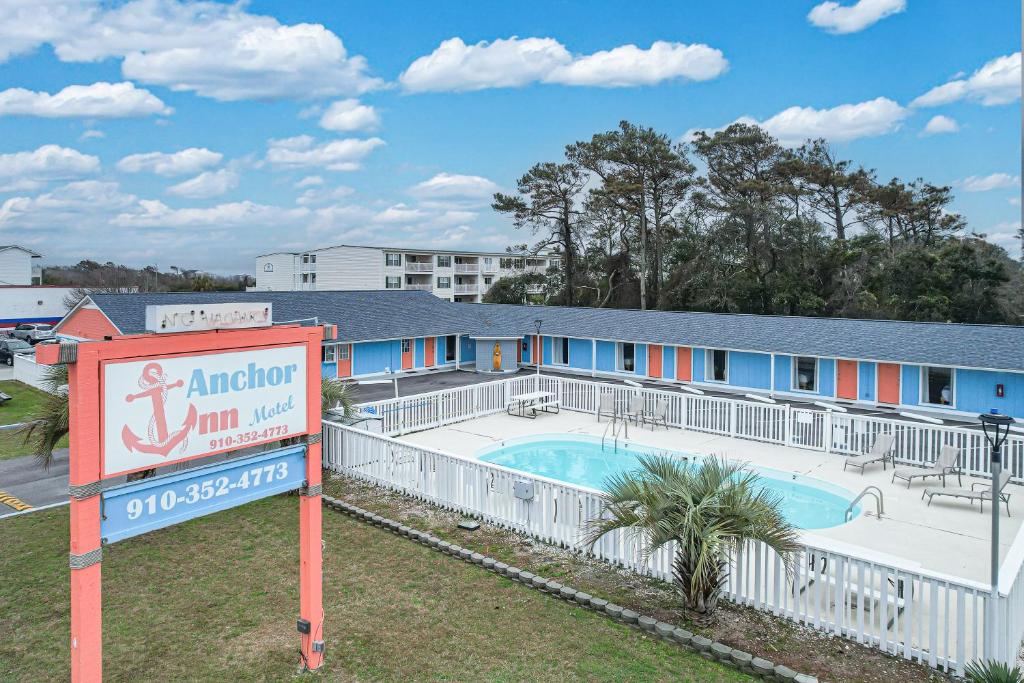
207,380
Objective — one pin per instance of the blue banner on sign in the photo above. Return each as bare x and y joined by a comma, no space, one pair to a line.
151,504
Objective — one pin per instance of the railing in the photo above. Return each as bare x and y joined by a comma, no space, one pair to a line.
467,289
421,288
419,266
467,267
876,600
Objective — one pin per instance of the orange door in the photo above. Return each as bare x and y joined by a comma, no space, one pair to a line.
536,349
407,354
430,357
846,379
653,360
889,383
345,360
519,351
684,363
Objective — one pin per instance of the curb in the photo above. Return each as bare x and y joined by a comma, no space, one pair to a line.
707,648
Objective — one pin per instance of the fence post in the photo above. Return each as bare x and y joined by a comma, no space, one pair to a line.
476,401
787,427
437,409
732,418
827,436
684,420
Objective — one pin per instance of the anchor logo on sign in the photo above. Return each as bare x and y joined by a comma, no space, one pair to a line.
159,441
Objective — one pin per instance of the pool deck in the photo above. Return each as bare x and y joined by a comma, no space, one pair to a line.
949,537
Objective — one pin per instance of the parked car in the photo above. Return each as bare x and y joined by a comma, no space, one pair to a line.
9,348
33,332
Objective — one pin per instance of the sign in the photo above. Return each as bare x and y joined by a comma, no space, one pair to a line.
163,410
151,504
208,316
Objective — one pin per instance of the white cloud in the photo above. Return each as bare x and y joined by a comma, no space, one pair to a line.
836,18
207,184
92,134
337,155
993,181
399,213
515,62
152,213
99,100
62,209
1006,235
940,124
323,195
49,162
1015,201
455,186
309,181
187,161
216,50
997,82
843,123
350,115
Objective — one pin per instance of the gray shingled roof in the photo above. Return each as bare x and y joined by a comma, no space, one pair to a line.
360,316
977,346
372,315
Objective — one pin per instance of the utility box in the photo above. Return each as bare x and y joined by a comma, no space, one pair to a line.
523,489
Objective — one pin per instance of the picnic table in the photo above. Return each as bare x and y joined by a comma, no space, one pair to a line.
528,404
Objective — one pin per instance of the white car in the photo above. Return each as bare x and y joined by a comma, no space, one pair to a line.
33,333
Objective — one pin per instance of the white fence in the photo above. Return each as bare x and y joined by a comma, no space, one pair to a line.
28,371
936,619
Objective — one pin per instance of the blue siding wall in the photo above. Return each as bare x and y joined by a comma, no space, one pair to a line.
698,364
976,392
910,385
545,347
640,366
866,381
528,352
468,350
328,369
783,373
417,353
668,362
752,370
580,354
606,356
827,377
373,357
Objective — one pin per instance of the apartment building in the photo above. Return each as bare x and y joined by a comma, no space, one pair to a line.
19,266
463,276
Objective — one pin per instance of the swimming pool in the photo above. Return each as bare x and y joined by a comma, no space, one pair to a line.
807,503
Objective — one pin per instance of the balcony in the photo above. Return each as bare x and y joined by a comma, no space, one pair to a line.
491,267
467,267
419,266
421,288
467,289
534,289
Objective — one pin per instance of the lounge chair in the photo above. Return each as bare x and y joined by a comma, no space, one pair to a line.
606,406
980,491
659,415
948,462
635,411
881,451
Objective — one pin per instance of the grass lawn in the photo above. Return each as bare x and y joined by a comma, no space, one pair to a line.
217,599
25,400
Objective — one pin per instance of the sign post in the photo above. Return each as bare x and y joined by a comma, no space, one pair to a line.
141,402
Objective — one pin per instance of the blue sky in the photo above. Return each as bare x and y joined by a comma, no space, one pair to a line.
201,134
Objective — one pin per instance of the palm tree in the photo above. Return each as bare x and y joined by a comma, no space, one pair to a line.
48,424
335,395
706,510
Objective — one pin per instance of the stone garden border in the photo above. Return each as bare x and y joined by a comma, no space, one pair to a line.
707,648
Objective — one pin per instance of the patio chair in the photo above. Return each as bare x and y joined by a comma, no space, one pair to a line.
980,491
881,451
606,406
948,462
635,410
659,415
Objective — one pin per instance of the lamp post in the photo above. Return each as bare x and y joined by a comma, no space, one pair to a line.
996,428
540,348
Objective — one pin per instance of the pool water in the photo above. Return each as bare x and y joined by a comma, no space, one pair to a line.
807,503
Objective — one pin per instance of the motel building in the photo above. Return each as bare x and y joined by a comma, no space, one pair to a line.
951,372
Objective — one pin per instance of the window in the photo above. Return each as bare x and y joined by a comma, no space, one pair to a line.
488,262
444,261
627,357
268,267
309,258
344,351
309,278
444,283
805,374
488,280
717,365
937,386
406,345
392,259
393,282
330,354
511,263
449,348
560,350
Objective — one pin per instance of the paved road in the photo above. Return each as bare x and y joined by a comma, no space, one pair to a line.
24,479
